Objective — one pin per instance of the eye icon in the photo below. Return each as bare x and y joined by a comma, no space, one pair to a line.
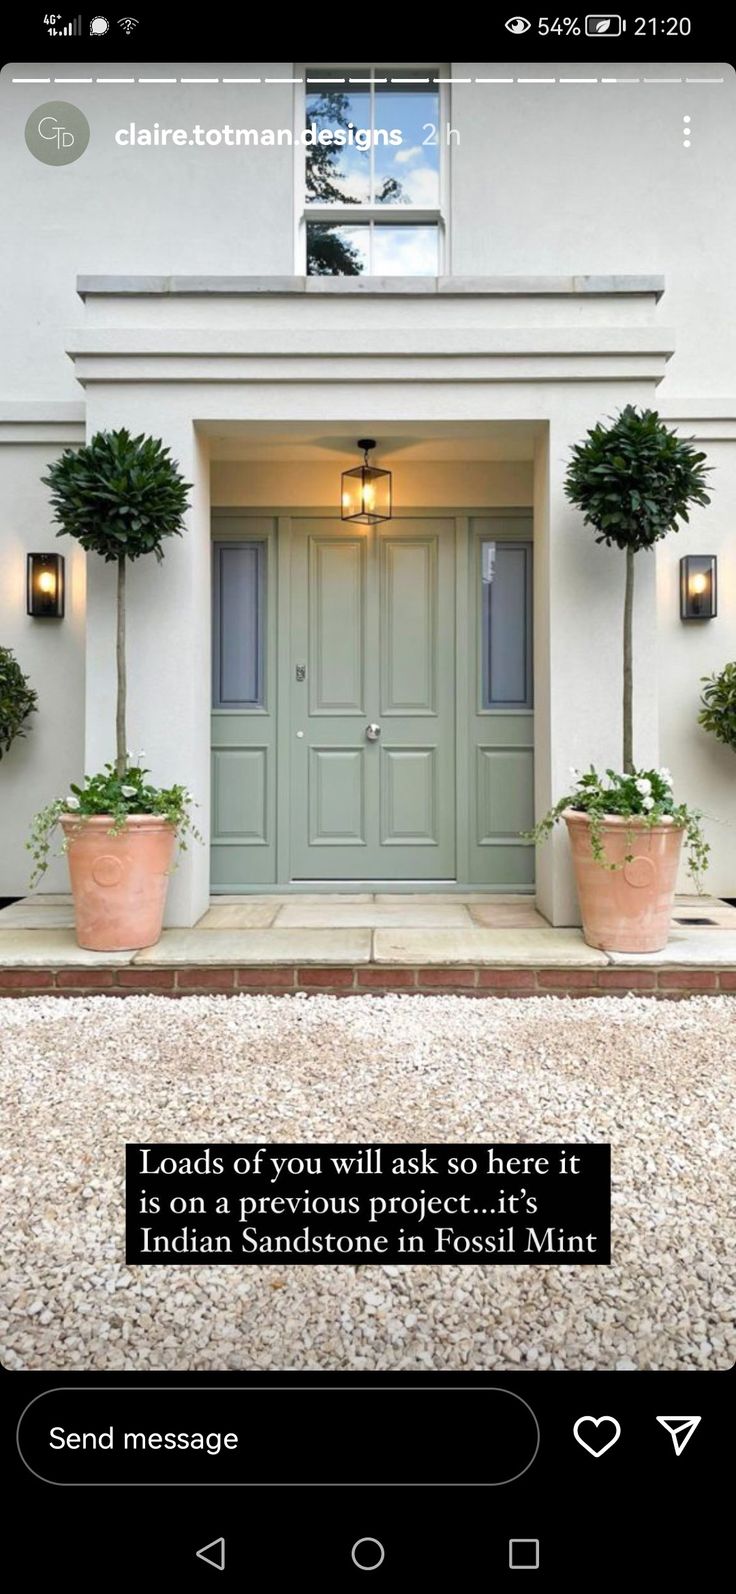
518,25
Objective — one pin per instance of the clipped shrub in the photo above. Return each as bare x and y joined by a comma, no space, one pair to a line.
17,700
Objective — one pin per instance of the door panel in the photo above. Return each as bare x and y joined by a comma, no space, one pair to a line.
239,794
501,711
336,796
243,827
408,624
373,642
409,797
337,601
505,793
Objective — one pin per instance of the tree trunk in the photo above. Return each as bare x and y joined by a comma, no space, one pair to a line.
629,664
121,759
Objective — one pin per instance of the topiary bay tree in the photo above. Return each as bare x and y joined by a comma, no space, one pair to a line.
635,480
120,497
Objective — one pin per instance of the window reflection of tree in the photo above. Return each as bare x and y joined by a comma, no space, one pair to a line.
329,252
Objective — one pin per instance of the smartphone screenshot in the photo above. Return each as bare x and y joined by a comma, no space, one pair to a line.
367,800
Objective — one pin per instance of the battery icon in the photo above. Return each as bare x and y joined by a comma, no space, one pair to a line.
607,26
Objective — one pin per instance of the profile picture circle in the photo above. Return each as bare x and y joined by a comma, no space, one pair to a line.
57,133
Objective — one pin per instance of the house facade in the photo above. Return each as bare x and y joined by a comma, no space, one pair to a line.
379,706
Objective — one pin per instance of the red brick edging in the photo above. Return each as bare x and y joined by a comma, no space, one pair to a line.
364,978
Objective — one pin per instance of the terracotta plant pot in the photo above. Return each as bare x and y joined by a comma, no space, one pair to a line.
119,882
627,909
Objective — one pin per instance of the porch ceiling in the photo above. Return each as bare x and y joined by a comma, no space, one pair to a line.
322,441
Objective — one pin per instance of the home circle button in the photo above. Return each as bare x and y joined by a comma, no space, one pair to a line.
368,1554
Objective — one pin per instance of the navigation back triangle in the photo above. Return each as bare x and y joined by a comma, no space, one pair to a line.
213,1554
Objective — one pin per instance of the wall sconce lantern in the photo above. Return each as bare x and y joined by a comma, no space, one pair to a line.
366,490
698,587
45,586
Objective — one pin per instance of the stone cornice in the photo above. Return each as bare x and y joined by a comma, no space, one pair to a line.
373,287
39,422
331,354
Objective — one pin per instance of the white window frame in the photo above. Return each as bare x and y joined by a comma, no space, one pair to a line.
385,214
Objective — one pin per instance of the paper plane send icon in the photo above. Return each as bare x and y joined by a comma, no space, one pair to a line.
680,1429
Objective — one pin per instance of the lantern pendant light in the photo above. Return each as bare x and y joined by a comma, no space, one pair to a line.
366,490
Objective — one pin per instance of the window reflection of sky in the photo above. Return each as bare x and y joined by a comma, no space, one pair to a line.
413,164
405,174
405,251
349,168
398,251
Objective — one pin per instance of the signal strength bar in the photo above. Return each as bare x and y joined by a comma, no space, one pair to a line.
72,29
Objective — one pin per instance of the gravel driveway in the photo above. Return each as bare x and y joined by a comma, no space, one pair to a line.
81,1076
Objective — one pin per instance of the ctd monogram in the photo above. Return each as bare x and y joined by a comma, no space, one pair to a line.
57,133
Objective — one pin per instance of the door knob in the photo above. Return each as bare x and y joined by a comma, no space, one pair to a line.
372,732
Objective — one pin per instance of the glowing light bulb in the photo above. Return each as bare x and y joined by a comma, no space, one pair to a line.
698,584
47,581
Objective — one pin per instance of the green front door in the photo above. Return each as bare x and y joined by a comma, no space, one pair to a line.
372,726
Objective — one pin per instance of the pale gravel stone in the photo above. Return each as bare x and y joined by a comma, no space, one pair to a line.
81,1077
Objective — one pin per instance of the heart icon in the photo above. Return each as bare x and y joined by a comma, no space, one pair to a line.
596,1444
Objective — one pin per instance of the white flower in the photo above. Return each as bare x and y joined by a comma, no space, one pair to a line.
128,791
665,777
574,772
140,755
644,786
647,802
71,802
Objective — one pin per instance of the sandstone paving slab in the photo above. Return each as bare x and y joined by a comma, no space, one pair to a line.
451,896
318,897
685,949
44,899
37,916
243,915
52,949
428,915
505,948
218,947
508,916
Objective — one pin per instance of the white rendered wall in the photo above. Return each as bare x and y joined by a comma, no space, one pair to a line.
704,770
548,179
40,766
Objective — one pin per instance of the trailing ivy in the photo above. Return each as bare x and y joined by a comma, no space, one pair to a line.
644,795
117,797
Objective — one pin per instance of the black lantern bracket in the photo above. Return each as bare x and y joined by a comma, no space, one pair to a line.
698,587
45,586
